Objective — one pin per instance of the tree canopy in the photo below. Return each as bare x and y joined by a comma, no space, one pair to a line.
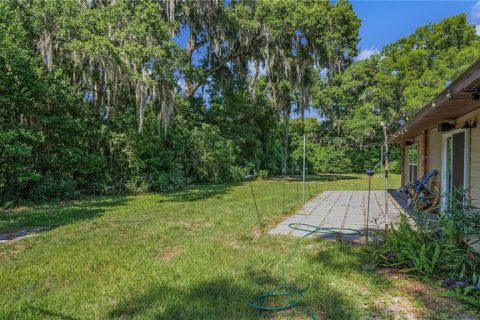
395,83
115,96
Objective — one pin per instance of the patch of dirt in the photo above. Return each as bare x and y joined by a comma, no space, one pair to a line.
20,234
412,299
75,201
168,254
232,243
13,250
16,210
399,308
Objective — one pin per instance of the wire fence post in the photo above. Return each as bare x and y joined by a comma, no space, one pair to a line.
256,207
297,188
370,174
303,178
386,174
381,159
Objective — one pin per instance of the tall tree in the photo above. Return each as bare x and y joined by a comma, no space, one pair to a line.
392,85
118,51
300,39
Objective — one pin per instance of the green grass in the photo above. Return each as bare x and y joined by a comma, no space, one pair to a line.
192,254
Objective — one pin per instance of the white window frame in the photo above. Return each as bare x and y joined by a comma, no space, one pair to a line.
408,161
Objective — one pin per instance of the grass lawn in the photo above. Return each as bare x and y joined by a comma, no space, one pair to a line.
193,254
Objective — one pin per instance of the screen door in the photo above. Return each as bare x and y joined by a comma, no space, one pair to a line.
455,162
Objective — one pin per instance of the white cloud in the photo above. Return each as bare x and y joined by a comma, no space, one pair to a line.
476,11
478,30
367,53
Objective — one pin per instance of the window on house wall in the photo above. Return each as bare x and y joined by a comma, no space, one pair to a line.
413,163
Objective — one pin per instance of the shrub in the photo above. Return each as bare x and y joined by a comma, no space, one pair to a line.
238,173
54,188
168,181
136,185
211,154
262,174
332,160
437,248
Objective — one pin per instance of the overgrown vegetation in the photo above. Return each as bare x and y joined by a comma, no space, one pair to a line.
115,97
442,247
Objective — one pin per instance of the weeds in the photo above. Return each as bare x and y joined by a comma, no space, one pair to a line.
438,247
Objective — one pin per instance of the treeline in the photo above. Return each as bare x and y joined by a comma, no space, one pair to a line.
108,97
392,85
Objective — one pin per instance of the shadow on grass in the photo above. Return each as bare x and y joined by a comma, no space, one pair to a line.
217,299
318,177
48,217
199,192
396,298
347,261
230,298
341,257
52,314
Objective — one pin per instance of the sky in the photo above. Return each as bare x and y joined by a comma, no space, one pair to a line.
384,22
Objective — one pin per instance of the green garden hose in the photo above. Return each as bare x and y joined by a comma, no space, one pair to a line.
285,296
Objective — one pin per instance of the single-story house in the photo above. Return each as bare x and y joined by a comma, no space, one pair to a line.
444,135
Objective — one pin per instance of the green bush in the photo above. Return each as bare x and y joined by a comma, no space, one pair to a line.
137,185
437,248
211,154
262,174
168,181
332,160
53,188
238,173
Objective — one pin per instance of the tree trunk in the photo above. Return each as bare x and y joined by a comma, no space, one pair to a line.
286,120
190,48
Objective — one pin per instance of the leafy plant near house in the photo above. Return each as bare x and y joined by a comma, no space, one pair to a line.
440,248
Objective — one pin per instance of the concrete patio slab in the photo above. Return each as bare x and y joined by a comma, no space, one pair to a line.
344,209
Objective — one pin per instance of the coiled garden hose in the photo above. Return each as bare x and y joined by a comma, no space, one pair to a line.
286,296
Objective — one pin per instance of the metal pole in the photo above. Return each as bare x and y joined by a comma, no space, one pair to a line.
256,207
303,182
386,175
381,160
282,169
368,205
370,174
297,188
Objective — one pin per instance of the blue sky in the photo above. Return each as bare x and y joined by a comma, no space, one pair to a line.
385,21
